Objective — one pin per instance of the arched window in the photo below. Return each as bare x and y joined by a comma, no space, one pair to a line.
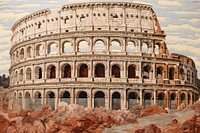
52,48
116,101
182,74
131,71
21,54
27,100
51,72
39,50
21,74
38,73
38,98
66,71
99,99
146,72
99,70
115,71
115,46
157,49
188,75
28,74
171,73
82,98
67,47
131,47
99,46
29,52
145,47
65,97
132,99
83,72
159,72
16,59
83,46
51,99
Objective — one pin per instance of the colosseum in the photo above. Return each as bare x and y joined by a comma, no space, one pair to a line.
108,54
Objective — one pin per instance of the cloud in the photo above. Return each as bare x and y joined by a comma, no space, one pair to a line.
171,27
10,16
194,20
162,19
27,5
169,3
184,12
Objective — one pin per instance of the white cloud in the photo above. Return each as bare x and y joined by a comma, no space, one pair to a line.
169,3
162,19
184,12
171,27
10,16
27,5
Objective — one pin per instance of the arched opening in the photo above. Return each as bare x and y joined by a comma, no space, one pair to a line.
115,71
116,101
27,100
188,75
132,99
82,99
83,72
38,99
17,55
131,71
39,50
38,73
189,99
20,99
99,99
52,48
21,74
65,97
83,46
160,100
51,72
51,99
183,98
146,72
171,73
16,77
28,74
157,49
159,73
115,46
21,54
173,101
131,46
29,52
145,48
99,46
99,70
66,71
147,99
67,47
182,74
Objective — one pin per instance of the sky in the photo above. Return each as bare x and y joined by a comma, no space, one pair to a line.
179,19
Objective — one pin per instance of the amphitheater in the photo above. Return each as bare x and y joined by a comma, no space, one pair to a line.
110,54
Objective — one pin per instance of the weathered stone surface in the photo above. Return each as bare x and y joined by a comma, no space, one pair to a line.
151,110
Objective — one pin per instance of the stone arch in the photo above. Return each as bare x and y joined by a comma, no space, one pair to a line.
39,50
83,70
21,54
147,99
82,98
38,72
183,98
161,99
28,74
99,46
172,101
145,47
38,99
132,99
189,99
99,99
16,77
17,56
159,72
131,71
157,49
51,72
116,101
171,73
83,46
51,99
21,74
29,52
27,100
20,99
116,72
188,75
115,46
66,71
65,97
146,72
131,46
66,47
52,48
99,70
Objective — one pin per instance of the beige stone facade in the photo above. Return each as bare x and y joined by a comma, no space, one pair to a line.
98,54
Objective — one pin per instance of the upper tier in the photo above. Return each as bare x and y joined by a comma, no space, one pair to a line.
106,16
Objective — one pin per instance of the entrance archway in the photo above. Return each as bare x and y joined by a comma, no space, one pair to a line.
65,97
51,99
173,101
183,98
38,97
147,100
132,99
99,99
160,100
116,101
82,99
20,99
27,100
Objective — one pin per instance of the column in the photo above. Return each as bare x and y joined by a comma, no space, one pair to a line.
178,98
124,99
154,71
56,98
186,98
141,97
191,98
90,98
107,99
167,99
58,70
23,100
155,97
